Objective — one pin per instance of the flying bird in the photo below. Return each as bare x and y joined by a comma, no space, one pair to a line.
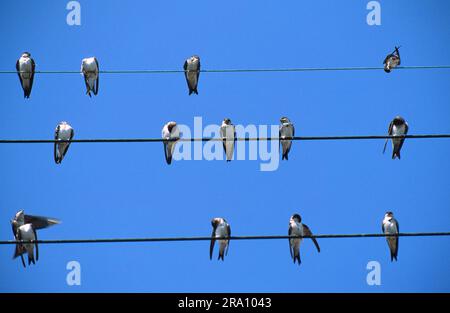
171,133
192,73
221,229
389,226
24,228
90,70
287,130
62,132
397,127
25,69
228,135
297,228
392,60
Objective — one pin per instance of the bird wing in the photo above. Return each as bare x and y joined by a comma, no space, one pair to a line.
213,241
18,72
391,125
55,147
229,235
98,77
290,247
33,66
39,222
308,232
198,71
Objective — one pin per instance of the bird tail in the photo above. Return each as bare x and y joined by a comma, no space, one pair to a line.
396,153
285,157
31,258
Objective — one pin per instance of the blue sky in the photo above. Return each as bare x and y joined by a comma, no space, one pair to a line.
127,190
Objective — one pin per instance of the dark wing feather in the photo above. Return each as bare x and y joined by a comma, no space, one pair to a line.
290,247
56,144
403,139
166,155
398,55
14,228
391,125
33,66
39,222
36,244
397,239
198,72
213,241
228,241
185,71
68,144
308,232
98,77
18,72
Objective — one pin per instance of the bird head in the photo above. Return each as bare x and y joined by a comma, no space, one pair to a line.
297,218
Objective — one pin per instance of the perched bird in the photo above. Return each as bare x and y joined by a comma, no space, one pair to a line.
398,127
287,130
390,226
90,70
392,60
221,229
171,133
228,135
24,228
192,73
297,228
25,69
62,132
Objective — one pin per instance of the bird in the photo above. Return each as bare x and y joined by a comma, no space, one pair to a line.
24,228
228,135
192,73
392,60
171,133
297,228
25,67
397,127
287,130
62,132
90,70
221,229
389,226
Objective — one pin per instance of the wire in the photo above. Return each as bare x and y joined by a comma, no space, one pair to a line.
249,70
116,140
164,239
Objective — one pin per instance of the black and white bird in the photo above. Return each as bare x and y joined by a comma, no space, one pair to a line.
389,226
192,73
397,127
221,229
392,60
90,70
24,228
171,133
62,132
25,67
287,130
228,135
297,228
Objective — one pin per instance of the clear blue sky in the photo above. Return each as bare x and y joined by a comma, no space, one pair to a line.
127,190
